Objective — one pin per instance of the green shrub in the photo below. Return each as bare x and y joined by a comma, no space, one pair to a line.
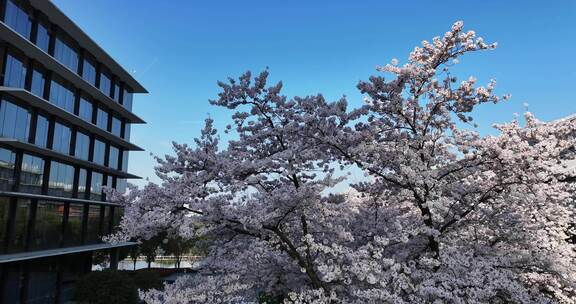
106,287
146,279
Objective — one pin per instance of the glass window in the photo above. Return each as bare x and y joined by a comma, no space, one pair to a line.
18,19
48,225
113,157
116,92
125,160
96,186
102,119
14,121
105,83
89,72
62,135
7,163
61,96
61,179
85,109
121,185
106,220
127,99
82,180
118,213
4,211
126,134
93,233
99,152
73,229
116,126
20,225
38,81
14,72
82,146
41,137
43,37
32,174
66,55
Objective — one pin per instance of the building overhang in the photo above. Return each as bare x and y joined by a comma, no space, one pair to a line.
30,255
32,51
45,105
55,198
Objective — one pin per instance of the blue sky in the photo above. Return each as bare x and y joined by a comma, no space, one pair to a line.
179,49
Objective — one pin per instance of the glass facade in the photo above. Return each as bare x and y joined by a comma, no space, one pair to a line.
99,152
62,136
61,179
89,72
66,54
48,225
62,96
18,19
125,161
85,109
116,126
96,186
38,82
14,121
7,164
105,83
14,72
43,37
82,146
113,158
50,220
31,174
41,136
102,119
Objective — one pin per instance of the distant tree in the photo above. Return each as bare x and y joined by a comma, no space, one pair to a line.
177,247
150,248
444,215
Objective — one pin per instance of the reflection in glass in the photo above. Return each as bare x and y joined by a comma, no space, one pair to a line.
113,157
43,37
99,152
41,138
14,73
61,179
18,19
66,55
102,119
62,136
89,72
85,109
73,230
96,186
14,121
20,226
105,83
31,174
7,163
93,232
82,146
4,211
82,180
48,225
61,96
38,81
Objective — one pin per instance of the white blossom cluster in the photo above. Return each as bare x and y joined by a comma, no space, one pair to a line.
444,215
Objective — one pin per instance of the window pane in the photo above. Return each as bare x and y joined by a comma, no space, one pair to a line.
89,72
82,180
102,119
32,174
125,160
66,55
20,225
121,185
14,72
85,110
113,157
7,163
106,221
82,146
73,230
62,135
18,19
38,82
14,121
43,37
99,152
4,210
41,137
116,92
61,179
61,96
127,128
48,225
127,99
105,84
96,186
93,233
116,126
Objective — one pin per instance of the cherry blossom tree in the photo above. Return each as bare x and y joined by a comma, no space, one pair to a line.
443,215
